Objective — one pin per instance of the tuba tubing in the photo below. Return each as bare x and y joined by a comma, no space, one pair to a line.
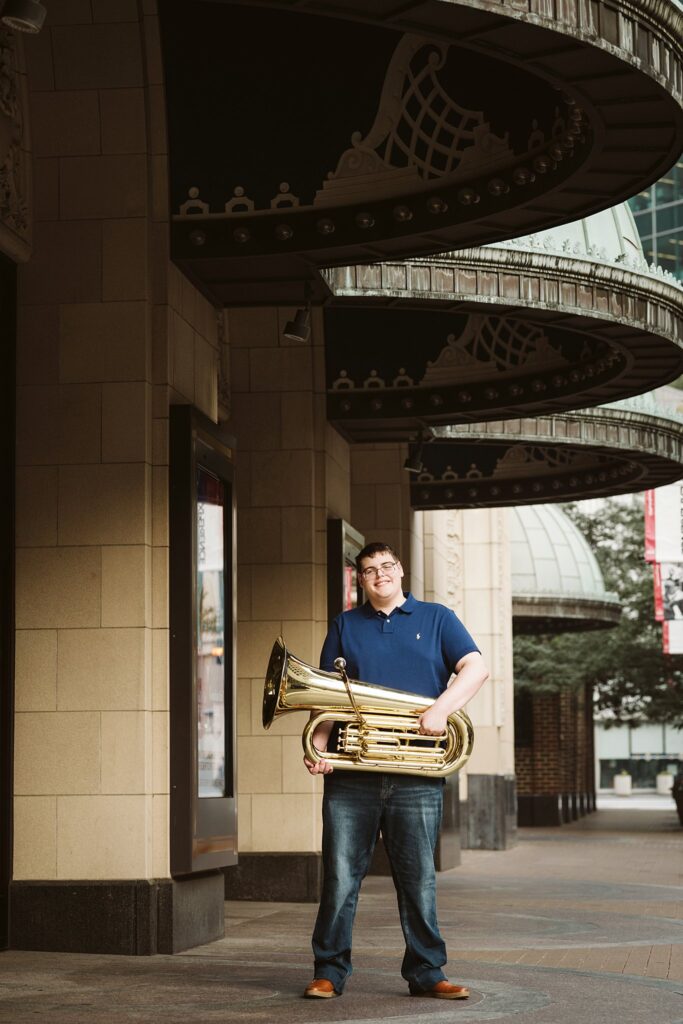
378,724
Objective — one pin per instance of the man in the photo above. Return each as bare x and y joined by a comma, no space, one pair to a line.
392,640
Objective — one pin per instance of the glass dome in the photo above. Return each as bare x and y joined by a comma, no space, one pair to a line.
557,584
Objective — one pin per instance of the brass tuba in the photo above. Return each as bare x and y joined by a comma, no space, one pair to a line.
378,725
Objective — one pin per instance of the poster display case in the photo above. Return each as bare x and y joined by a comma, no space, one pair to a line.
203,826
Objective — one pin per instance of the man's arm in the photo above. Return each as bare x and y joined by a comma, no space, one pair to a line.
331,650
320,739
471,674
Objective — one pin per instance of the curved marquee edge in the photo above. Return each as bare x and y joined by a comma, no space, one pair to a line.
585,454
640,314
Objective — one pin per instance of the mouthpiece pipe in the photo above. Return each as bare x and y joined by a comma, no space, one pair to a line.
340,665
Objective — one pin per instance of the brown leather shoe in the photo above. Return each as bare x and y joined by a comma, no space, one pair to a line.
444,990
321,988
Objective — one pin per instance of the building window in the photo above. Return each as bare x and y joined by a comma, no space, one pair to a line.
658,213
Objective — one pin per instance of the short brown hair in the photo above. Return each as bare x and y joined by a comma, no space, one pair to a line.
378,547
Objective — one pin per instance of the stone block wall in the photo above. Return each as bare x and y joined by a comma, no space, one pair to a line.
293,473
467,569
380,506
109,333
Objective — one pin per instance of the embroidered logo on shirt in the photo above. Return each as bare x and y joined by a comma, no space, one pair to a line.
417,636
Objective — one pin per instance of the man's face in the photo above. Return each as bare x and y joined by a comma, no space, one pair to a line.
384,583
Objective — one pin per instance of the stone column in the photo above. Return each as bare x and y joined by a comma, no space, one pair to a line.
292,473
108,334
467,568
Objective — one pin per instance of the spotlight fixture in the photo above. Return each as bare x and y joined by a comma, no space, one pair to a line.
365,220
23,15
436,205
414,461
299,328
468,197
403,213
498,187
522,176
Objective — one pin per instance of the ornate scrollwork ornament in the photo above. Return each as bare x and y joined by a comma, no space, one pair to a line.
15,164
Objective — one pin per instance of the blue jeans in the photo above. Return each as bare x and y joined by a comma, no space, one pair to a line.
408,811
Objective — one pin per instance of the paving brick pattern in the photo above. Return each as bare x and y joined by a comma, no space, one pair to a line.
578,925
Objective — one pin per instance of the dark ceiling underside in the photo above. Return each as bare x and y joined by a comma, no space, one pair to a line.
391,371
467,473
500,128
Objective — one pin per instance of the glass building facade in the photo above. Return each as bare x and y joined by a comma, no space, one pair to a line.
658,212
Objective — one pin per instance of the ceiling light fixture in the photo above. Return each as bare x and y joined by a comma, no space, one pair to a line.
23,15
414,462
299,329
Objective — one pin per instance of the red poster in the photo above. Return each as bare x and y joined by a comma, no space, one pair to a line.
659,596
349,588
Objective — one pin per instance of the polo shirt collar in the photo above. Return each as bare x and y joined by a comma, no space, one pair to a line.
408,606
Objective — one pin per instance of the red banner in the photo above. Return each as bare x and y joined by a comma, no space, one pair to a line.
659,595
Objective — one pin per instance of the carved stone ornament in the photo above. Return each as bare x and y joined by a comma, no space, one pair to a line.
543,459
488,347
15,160
454,559
419,132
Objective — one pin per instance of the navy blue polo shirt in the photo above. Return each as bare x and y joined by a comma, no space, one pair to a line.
414,648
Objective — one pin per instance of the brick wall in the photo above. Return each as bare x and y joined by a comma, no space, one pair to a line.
560,758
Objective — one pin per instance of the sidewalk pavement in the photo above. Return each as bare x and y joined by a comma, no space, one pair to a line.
577,925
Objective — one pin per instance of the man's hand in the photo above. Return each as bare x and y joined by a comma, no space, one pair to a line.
319,739
470,675
321,767
433,721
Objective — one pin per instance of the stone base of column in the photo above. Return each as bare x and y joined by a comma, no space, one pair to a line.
539,810
491,821
447,853
137,917
549,809
275,877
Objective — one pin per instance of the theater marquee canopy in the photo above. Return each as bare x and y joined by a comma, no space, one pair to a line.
562,319
352,132
628,446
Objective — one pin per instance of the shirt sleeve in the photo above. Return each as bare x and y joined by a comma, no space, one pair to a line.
456,642
331,648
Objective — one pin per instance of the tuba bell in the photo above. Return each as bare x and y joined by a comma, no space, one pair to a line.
378,725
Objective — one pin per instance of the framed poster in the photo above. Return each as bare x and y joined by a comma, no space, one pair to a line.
203,823
343,546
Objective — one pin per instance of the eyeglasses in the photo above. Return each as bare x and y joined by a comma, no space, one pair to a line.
386,568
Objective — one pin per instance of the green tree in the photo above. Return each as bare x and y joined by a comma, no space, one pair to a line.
633,678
